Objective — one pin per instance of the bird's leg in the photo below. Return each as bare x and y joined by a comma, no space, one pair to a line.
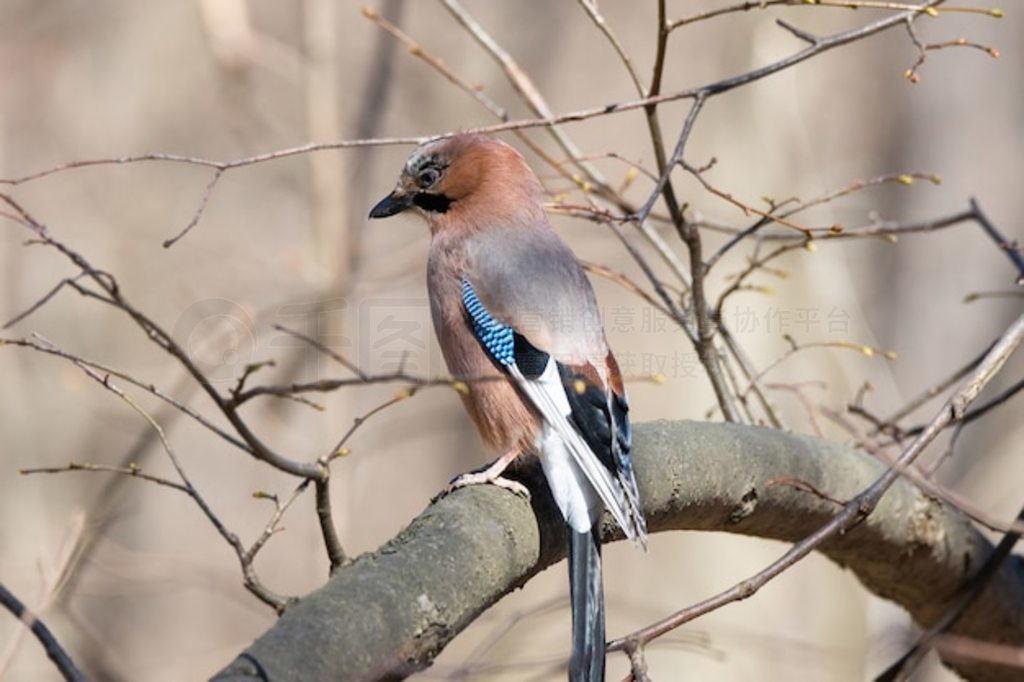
492,474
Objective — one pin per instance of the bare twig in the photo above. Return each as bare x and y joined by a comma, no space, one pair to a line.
252,583
923,49
795,347
131,471
54,650
698,173
1012,251
41,302
113,296
590,7
152,389
799,390
273,525
524,86
831,231
203,200
979,411
844,4
212,163
339,449
740,7
799,484
660,187
920,479
418,51
627,284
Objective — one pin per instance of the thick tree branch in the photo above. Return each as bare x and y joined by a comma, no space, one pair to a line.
392,611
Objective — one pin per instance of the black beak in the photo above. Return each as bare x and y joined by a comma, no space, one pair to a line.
390,205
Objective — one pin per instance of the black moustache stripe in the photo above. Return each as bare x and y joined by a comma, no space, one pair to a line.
436,203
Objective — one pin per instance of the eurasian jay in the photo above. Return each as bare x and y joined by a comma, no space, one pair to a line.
517,320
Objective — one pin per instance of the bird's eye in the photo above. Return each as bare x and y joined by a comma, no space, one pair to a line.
427,177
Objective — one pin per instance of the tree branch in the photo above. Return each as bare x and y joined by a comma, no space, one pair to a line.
392,611
54,650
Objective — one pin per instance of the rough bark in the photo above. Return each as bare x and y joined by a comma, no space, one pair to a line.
391,611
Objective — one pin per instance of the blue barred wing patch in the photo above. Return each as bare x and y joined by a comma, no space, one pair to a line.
496,338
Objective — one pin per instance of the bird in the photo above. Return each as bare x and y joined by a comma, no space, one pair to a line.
518,323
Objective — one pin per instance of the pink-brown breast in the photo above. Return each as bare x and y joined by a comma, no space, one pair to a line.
495,405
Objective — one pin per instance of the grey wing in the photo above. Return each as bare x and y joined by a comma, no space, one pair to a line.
530,280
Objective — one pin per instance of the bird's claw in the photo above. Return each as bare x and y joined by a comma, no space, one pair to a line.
487,477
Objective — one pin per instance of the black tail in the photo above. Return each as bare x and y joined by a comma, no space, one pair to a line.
587,662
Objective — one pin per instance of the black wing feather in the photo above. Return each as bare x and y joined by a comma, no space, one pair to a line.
594,416
530,361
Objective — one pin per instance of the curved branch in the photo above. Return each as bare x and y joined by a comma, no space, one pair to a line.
391,611
54,650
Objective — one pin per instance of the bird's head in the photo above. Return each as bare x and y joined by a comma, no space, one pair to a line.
463,179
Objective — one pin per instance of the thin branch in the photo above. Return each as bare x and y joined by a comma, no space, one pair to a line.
677,314
203,200
524,86
627,284
801,34
339,449
105,382
907,179
980,295
741,7
844,4
418,51
590,7
340,359
705,344
858,508
797,389
113,296
827,197
212,163
698,173
129,471
150,388
734,389
252,583
979,411
919,478
750,373
795,347
1012,251
670,164
658,143
890,230
273,525
54,650
923,49
42,301
715,88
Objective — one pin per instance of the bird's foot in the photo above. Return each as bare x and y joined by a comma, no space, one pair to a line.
492,474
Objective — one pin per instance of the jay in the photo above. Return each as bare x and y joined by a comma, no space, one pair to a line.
517,320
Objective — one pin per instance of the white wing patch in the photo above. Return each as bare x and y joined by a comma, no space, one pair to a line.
565,456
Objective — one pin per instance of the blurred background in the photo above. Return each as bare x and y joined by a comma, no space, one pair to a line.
133,579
